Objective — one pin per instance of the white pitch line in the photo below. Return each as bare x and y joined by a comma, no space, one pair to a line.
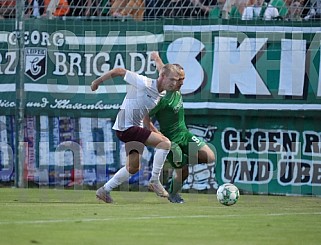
23,222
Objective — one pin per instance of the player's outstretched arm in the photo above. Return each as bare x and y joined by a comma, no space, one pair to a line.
159,63
108,75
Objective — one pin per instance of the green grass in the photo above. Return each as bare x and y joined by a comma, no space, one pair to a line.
43,216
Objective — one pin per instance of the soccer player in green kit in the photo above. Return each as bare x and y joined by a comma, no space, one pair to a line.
186,147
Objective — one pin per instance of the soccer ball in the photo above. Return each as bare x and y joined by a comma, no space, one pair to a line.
227,194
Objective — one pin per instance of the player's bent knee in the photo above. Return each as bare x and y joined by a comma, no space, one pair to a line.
206,155
211,157
133,169
164,144
167,144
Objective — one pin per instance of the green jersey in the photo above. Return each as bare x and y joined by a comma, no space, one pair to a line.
169,112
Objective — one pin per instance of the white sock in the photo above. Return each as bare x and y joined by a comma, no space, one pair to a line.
158,163
121,176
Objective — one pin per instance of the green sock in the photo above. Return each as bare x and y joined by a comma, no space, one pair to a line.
175,186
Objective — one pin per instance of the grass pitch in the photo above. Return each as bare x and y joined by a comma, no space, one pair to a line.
75,217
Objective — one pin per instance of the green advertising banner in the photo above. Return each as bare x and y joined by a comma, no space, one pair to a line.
251,90
273,68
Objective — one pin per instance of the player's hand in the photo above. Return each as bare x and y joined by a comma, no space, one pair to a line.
94,86
154,55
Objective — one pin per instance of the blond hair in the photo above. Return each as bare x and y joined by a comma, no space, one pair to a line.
170,68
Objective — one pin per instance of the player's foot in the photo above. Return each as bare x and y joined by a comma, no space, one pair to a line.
157,187
103,195
175,198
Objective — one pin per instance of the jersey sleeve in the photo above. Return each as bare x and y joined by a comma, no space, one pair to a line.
137,80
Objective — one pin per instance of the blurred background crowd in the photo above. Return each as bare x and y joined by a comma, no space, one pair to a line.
139,10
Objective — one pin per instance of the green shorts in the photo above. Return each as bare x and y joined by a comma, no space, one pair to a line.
184,148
